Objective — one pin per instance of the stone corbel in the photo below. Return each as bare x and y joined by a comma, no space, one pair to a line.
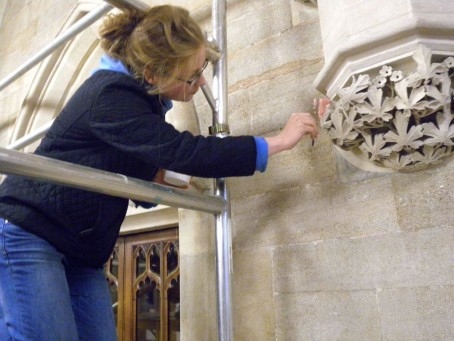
388,71
402,122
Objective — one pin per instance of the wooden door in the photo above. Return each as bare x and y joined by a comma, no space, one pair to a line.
144,274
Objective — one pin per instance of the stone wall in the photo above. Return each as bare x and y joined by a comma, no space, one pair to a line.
321,249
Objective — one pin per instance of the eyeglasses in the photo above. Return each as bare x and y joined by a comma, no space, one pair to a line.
196,76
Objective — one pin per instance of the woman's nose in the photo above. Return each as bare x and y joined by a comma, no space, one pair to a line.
201,81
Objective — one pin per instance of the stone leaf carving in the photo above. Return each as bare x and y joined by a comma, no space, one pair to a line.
407,103
377,108
442,133
376,147
404,136
397,121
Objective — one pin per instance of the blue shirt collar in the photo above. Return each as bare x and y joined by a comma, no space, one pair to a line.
112,64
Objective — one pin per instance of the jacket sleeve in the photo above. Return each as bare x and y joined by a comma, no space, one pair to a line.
130,120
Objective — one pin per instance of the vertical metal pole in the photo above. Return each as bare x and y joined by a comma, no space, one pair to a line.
223,229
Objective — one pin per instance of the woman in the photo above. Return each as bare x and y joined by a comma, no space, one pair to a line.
55,239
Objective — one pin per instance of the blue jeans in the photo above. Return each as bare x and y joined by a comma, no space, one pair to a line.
43,297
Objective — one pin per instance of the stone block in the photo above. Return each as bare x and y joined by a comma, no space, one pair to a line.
408,259
425,199
255,21
302,42
327,316
315,212
288,90
421,313
198,317
196,232
305,165
253,293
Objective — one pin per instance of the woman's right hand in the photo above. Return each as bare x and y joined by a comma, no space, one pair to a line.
298,126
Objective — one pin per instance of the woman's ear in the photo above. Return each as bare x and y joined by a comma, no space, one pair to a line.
149,77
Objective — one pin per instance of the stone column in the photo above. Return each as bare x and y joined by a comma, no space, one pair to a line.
361,35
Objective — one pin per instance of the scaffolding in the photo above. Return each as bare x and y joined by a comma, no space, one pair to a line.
60,172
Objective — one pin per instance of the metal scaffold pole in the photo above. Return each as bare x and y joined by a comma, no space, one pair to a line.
92,179
223,228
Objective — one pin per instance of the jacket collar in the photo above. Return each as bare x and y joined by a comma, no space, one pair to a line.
111,64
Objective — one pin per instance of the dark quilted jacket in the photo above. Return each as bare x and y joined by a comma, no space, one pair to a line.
111,123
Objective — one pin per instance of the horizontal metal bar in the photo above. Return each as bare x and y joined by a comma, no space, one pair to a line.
75,29
78,27
73,175
35,135
129,4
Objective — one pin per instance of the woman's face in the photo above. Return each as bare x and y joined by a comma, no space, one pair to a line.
189,82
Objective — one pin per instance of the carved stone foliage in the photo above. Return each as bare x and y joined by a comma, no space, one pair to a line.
402,122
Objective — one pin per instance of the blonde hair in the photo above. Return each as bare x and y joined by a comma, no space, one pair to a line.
162,41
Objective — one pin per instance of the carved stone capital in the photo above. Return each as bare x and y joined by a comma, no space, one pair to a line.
388,69
393,119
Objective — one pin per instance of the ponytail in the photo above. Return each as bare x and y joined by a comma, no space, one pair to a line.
116,31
